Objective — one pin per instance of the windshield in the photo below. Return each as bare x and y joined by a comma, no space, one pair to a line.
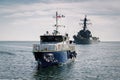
51,38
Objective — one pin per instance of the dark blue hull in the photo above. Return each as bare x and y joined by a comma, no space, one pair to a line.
45,59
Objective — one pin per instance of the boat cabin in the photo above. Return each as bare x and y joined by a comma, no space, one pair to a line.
53,38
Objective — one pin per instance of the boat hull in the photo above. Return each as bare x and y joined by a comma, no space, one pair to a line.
46,59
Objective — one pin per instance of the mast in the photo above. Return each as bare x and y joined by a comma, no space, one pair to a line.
56,21
85,22
56,25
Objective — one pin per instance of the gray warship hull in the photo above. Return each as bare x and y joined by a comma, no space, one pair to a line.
85,41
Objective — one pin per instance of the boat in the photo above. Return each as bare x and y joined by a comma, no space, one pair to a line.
84,36
54,49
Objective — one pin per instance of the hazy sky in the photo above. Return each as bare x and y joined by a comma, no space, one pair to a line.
28,19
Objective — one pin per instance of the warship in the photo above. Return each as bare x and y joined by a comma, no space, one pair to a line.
54,49
84,36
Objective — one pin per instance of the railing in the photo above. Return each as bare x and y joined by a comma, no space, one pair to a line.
52,47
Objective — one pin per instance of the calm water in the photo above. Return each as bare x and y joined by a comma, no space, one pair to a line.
94,62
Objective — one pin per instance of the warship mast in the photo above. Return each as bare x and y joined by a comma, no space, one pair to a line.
85,23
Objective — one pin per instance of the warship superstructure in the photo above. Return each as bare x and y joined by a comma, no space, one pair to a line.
84,36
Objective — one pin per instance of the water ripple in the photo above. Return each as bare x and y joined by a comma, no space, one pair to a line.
5,52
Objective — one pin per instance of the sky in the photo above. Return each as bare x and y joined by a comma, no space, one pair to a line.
26,20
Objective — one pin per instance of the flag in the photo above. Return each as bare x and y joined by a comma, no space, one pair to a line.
60,16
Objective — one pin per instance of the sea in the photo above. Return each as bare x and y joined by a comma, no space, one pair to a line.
99,61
